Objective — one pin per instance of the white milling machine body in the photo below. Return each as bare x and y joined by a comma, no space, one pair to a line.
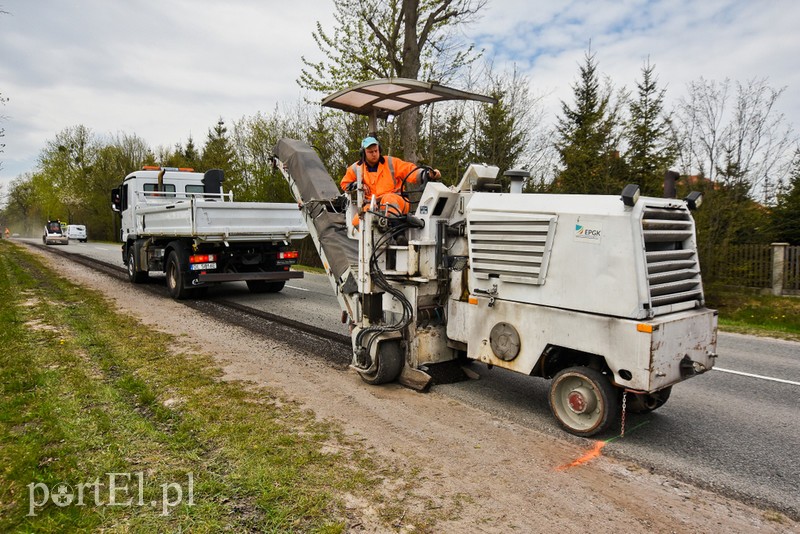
601,294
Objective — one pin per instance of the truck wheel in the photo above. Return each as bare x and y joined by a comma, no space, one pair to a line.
175,278
583,400
264,286
647,402
134,275
390,363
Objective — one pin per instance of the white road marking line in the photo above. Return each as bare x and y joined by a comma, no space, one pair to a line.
299,288
757,376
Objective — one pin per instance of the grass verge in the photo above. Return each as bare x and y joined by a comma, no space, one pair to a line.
104,427
746,312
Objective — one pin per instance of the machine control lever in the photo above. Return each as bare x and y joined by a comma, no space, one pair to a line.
491,293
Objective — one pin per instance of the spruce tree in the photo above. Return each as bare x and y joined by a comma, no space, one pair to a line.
652,149
588,138
497,140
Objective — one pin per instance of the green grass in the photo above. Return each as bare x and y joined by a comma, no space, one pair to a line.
85,392
750,313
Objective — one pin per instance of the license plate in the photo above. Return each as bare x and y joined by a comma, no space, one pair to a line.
202,266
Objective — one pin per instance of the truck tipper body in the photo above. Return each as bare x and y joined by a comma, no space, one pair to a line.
182,223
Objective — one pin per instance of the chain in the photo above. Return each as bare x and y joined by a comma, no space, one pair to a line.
624,411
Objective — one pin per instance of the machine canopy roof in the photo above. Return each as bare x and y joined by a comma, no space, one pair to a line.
392,96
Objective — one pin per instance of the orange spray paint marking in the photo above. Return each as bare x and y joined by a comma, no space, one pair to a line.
591,455
595,452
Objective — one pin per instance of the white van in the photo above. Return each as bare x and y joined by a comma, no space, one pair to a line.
77,231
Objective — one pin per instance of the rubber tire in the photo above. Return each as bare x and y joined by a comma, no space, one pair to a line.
642,403
605,395
265,286
136,277
175,278
391,359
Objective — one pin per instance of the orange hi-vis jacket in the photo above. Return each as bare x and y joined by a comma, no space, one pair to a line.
387,179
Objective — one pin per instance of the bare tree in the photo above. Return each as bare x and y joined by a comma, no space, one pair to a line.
391,38
745,144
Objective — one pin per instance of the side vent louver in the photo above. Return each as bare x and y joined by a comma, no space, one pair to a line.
511,249
673,269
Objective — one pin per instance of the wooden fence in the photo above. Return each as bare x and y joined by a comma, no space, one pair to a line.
773,267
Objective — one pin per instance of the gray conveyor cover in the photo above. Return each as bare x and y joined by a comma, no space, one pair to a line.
315,184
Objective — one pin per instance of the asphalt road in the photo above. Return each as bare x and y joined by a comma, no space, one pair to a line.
735,430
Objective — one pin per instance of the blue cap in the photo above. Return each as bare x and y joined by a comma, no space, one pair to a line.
368,142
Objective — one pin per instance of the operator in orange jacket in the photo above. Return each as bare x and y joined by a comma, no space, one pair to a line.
382,176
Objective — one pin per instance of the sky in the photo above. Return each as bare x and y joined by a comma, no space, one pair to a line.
169,69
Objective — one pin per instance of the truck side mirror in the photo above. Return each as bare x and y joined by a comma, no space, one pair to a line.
212,182
116,200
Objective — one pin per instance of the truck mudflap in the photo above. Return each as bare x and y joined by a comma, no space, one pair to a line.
275,276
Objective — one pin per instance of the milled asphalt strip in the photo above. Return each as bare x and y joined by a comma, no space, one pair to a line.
122,274
781,380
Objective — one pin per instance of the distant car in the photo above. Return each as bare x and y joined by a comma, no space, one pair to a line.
77,231
54,233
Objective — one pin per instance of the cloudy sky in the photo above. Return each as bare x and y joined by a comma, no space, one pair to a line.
167,69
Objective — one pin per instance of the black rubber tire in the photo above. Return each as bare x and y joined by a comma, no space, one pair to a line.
391,359
176,278
601,398
265,286
647,402
136,277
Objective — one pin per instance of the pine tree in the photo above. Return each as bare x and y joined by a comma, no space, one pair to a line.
786,214
190,154
218,153
589,138
652,149
445,143
497,140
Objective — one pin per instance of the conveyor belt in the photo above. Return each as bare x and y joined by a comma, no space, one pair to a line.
320,194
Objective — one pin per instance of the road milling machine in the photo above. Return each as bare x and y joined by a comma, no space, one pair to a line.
600,294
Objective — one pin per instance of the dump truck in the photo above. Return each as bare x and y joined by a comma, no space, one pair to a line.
184,224
600,294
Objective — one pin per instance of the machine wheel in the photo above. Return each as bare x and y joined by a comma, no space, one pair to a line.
175,278
647,402
390,362
264,286
583,400
136,277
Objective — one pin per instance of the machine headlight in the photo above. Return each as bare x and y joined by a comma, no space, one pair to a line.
630,194
694,199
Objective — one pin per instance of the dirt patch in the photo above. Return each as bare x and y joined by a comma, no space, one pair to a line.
453,467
